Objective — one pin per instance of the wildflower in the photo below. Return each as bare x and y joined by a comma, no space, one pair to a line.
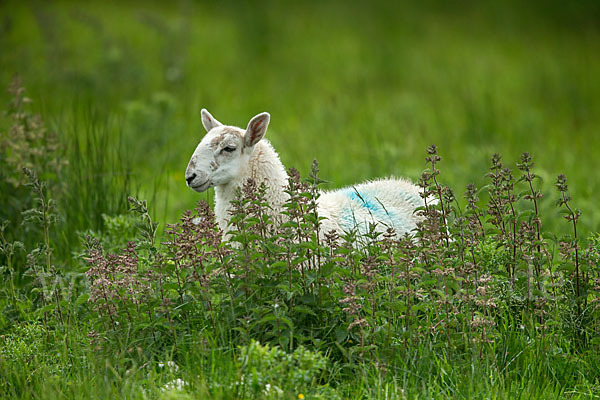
300,396
170,365
176,384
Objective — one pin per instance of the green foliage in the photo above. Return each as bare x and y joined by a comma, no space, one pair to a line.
271,371
25,342
117,231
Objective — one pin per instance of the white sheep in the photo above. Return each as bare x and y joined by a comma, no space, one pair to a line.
227,156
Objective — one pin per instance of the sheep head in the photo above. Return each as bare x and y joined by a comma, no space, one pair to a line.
224,152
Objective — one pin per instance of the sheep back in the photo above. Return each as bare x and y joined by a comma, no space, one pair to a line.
389,202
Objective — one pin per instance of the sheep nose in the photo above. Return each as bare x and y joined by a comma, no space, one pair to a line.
190,178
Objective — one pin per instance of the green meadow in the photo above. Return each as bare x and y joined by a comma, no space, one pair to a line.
364,88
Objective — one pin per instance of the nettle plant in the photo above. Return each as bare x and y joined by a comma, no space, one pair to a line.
452,283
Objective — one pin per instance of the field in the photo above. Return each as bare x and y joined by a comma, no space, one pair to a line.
104,103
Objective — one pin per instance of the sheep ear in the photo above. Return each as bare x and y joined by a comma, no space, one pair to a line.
209,121
257,127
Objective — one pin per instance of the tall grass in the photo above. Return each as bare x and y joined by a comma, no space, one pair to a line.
84,169
98,178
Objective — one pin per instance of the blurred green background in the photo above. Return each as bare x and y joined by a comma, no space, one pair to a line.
364,87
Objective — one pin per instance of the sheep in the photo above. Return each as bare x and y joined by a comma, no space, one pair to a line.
228,156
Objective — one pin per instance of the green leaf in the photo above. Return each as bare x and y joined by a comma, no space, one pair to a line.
326,269
279,264
170,286
304,310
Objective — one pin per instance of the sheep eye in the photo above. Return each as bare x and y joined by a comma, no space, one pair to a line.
229,149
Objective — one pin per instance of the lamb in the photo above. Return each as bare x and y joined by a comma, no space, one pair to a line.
228,156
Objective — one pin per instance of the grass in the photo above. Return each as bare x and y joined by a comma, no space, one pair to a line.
365,89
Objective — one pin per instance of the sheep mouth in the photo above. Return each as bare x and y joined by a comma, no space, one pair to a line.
202,187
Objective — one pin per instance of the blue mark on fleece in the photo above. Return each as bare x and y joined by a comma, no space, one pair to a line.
379,213
368,201
364,199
